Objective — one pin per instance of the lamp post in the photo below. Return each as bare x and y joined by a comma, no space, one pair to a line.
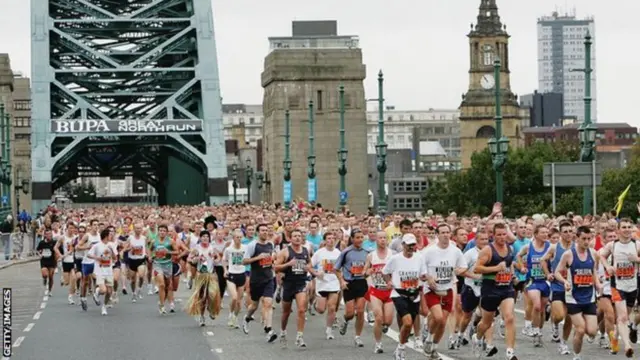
286,164
312,186
587,130
267,186
342,153
249,176
498,145
5,163
381,149
259,179
234,176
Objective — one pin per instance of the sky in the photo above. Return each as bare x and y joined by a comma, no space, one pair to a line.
420,45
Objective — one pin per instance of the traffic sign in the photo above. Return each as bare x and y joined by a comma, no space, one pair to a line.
5,200
343,196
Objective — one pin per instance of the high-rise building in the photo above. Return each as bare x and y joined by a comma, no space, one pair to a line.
561,50
544,109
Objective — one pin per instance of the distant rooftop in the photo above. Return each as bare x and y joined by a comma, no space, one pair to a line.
547,129
314,35
564,17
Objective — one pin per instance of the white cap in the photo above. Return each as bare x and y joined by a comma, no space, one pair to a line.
409,239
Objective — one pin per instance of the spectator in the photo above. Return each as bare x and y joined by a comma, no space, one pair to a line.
6,228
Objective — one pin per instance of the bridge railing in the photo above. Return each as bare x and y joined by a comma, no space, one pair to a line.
16,245
111,204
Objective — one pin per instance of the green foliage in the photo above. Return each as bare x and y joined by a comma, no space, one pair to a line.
473,190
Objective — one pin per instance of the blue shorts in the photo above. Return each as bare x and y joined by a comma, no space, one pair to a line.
541,286
87,269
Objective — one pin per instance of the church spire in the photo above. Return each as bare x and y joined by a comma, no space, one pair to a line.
488,20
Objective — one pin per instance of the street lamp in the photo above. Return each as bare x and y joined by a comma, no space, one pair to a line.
5,164
267,186
498,145
259,179
248,179
286,164
234,176
342,153
381,149
587,131
23,184
312,186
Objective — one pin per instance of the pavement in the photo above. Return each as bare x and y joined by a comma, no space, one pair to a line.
138,331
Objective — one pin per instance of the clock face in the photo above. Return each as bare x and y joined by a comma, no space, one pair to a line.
487,82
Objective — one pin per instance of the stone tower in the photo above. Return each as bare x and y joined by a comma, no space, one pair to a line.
488,40
311,65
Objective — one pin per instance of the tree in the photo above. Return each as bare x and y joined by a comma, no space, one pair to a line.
473,190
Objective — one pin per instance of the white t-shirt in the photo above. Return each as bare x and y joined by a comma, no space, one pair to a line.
405,273
104,266
470,258
204,258
233,258
138,247
67,244
441,263
91,241
325,260
626,272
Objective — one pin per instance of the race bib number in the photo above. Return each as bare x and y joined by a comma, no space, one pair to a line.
69,247
409,284
377,277
357,268
46,253
137,250
537,272
625,270
503,278
236,258
300,267
162,252
328,266
266,262
104,262
582,280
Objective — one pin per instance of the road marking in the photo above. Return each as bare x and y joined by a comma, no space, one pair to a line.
519,311
394,336
210,333
36,316
218,350
18,341
45,298
43,305
29,327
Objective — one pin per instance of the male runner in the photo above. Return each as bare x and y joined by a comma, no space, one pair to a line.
105,255
162,250
379,294
49,254
327,284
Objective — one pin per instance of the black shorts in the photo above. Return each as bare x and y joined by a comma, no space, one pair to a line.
78,264
459,284
125,257
519,286
558,296
469,299
292,288
585,309
406,306
325,294
491,302
184,258
67,267
176,270
237,279
48,264
134,264
629,297
356,289
117,265
265,289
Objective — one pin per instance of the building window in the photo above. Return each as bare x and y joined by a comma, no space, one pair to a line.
22,122
319,104
252,121
488,58
22,136
23,105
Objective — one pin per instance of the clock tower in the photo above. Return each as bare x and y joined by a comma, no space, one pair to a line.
488,41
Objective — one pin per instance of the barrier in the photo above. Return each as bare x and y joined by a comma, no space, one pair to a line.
16,246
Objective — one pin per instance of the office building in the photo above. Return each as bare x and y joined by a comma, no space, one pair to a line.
545,109
560,50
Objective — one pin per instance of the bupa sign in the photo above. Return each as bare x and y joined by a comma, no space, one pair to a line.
125,126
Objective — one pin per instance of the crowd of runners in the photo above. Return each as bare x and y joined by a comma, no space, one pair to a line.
426,275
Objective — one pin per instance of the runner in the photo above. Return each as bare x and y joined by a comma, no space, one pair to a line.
234,273
91,238
206,293
581,284
66,243
49,256
379,294
137,259
295,262
327,283
103,252
403,273
162,250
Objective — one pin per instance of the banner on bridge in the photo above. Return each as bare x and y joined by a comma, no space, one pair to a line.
124,126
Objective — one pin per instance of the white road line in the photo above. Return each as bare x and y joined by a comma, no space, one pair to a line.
36,316
18,342
210,333
29,327
394,336
519,311
43,305
45,298
218,350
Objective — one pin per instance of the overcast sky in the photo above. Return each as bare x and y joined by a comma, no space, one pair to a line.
420,45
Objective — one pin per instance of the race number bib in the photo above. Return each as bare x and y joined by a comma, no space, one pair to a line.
625,270
236,258
46,253
357,268
137,250
328,266
503,278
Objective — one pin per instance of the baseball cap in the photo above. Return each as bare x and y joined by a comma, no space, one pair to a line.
409,239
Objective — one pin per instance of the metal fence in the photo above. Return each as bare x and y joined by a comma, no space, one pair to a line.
16,246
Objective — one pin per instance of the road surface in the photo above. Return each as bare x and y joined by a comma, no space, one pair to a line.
48,325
